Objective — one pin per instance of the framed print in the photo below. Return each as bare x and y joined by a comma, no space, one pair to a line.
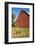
19,22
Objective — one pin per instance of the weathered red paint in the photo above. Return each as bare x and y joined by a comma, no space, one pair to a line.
22,20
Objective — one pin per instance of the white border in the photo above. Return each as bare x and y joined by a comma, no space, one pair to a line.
9,25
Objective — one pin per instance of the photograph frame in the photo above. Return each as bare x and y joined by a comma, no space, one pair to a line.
6,22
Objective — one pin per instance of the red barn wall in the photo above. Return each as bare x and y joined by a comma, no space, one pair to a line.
22,20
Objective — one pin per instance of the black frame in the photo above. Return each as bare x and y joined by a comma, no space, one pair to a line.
6,22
